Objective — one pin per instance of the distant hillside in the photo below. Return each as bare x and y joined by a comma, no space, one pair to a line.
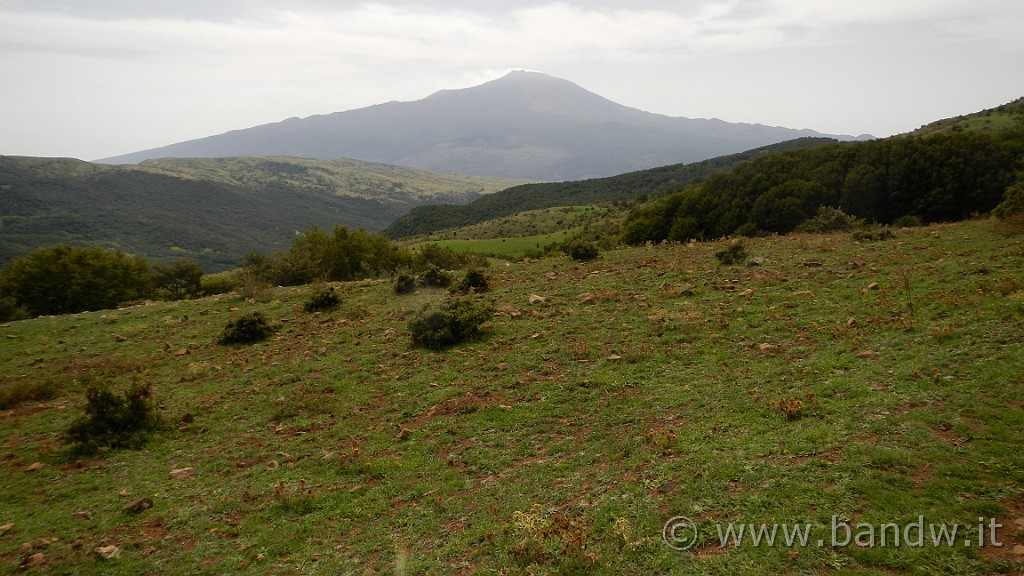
525,125
428,219
991,120
210,210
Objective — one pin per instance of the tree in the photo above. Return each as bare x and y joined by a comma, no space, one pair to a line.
178,280
64,279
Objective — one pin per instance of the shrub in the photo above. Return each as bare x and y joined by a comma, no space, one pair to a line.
473,281
64,279
26,390
324,298
220,283
580,250
10,310
457,320
246,330
872,234
434,255
436,277
179,280
734,253
829,219
405,283
908,221
113,420
1013,201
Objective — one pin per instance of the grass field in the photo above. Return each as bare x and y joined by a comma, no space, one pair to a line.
840,386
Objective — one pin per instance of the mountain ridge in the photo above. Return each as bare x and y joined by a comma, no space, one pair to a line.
524,125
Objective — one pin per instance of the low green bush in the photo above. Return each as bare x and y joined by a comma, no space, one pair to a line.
113,420
473,282
459,319
580,250
324,298
435,277
405,283
248,329
829,219
734,253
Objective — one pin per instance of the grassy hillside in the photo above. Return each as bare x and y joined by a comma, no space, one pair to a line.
210,210
837,383
1004,117
623,188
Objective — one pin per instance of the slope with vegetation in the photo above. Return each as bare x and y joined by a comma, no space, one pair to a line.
209,210
623,188
862,383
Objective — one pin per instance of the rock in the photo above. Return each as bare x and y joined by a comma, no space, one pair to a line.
811,264
756,261
614,357
179,473
6,528
120,338
851,322
586,298
107,552
746,292
867,354
872,286
1019,549
137,505
807,293
83,515
403,433
535,299
181,352
34,560
35,467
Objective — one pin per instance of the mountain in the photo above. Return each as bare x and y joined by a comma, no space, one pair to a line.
209,210
524,125
1007,116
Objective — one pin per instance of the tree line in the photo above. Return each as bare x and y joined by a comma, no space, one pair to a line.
936,178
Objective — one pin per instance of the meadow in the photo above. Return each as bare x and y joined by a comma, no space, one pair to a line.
859,383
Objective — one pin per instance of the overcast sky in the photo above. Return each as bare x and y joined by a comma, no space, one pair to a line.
96,78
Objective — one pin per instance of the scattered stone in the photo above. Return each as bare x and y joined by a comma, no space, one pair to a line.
746,292
867,354
872,286
503,366
83,515
138,505
35,467
34,560
273,464
851,322
181,352
403,433
615,357
810,264
765,347
123,492
120,338
756,261
1019,549
586,298
807,293
107,552
179,473
535,299
6,528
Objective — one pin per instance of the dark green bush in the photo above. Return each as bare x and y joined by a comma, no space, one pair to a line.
1013,201
246,330
473,282
908,221
436,278
580,250
10,310
457,320
64,279
113,420
872,234
734,253
829,219
178,280
324,298
220,283
405,283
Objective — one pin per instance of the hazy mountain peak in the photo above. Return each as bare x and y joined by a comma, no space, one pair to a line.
524,124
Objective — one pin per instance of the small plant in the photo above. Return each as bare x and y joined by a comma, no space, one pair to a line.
113,420
908,221
734,253
405,284
551,538
436,278
458,320
322,299
246,330
580,250
873,234
473,281
829,219
792,408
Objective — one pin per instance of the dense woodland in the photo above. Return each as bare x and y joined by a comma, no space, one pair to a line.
936,178
623,188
